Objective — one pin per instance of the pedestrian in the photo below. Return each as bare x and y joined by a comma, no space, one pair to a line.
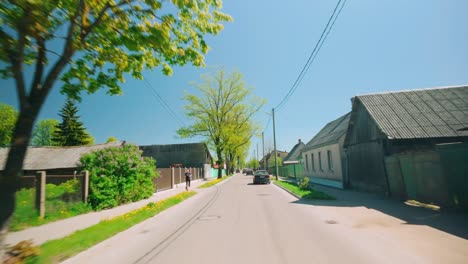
188,177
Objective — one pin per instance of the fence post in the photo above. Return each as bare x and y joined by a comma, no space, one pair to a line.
180,175
172,177
40,192
85,185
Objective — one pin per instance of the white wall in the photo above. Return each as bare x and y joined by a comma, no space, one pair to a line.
334,174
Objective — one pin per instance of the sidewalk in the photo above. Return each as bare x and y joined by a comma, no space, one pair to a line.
62,228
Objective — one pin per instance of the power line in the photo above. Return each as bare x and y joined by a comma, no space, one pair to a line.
318,45
163,102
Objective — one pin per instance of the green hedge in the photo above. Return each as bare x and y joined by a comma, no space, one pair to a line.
118,175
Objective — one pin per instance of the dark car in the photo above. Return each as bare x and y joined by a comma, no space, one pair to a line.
244,171
249,172
261,176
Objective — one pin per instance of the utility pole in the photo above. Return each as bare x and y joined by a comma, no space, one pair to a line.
257,154
263,151
274,142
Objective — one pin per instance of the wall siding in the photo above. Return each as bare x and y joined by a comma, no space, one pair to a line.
365,152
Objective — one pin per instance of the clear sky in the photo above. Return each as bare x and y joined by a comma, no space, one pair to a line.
375,46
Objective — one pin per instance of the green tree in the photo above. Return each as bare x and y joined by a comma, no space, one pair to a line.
43,131
111,139
70,132
253,164
220,112
8,117
271,161
101,41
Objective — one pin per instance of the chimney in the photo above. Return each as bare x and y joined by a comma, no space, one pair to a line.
299,141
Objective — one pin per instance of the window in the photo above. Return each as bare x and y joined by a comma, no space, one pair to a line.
312,161
330,160
320,160
307,162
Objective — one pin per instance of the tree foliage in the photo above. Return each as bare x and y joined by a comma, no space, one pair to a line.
43,131
70,132
8,117
222,113
111,139
118,175
253,163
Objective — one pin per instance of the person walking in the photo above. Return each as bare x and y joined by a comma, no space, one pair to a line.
188,177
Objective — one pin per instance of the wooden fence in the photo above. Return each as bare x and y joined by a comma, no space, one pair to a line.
39,181
171,177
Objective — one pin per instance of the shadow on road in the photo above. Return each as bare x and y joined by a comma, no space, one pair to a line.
450,222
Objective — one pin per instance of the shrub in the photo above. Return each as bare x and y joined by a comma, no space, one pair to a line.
118,175
304,184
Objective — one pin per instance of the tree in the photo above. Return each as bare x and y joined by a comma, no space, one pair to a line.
101,41
8,117
271,161
220,112
111,139
70,132
253,163
43,131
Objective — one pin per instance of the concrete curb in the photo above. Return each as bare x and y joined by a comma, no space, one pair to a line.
293,194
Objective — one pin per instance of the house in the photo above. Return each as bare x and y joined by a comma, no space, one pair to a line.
179,155
54,160
292,166
268,159
397,143
323,156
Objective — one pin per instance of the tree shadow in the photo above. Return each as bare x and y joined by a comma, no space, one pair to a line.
455,223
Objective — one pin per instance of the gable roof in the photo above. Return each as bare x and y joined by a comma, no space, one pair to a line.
295,152
330,133
427,113
44,158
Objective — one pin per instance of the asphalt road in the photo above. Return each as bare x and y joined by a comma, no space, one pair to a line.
237,222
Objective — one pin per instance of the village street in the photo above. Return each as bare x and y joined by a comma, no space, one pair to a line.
237,222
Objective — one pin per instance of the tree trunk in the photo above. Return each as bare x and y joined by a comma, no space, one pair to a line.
10,179
220,163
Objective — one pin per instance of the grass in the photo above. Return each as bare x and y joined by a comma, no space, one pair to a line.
58,250
304,194
213,182
62,201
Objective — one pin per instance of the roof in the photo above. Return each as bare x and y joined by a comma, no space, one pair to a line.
330,133
43,158
426,113
186,154
295,152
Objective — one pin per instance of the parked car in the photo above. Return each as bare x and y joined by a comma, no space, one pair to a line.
261,176
237,170
244,171
249,172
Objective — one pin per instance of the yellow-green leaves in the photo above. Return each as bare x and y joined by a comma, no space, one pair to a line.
108,40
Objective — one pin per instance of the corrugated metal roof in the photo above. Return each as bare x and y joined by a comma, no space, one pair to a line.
425,113
331,133
43,158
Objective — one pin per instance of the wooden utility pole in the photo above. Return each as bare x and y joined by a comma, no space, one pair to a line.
263,151
274,141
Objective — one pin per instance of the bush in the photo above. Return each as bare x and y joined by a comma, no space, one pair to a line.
118,175
304,184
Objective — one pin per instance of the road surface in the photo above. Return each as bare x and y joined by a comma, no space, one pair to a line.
237,222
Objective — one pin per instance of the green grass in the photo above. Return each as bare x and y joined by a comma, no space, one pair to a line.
213,182
58,250
304,194
62,201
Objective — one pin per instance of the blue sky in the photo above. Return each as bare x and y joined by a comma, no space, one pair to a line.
375,46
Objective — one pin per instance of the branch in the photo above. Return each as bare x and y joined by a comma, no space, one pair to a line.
39,64
68,51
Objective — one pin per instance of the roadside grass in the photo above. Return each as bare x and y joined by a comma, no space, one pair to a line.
62,201
213,182
55,251
304,194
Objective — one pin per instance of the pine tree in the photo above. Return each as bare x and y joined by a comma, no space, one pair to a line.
71,131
